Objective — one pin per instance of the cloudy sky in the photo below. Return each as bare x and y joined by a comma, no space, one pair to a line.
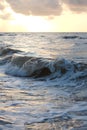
43,15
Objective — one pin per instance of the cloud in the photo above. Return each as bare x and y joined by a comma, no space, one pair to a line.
4,13
2,5
41,7
77,6
36,7
5,16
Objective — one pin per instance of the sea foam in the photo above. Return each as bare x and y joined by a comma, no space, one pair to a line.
40,67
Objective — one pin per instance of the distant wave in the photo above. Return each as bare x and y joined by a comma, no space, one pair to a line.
73,37
8,34
1,34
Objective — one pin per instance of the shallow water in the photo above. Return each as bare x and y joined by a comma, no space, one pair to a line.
56,100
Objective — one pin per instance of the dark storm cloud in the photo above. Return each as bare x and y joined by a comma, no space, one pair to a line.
36,7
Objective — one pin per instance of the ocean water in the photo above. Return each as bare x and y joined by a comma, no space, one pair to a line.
43,81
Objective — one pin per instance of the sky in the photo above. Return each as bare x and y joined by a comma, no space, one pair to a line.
43,15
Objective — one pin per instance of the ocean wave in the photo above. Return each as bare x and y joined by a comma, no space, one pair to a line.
29,66
5,59
74,37
8,34
4,121
6,50
1,34
70,37
36,67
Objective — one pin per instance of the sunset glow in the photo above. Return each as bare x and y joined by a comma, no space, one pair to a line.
42,16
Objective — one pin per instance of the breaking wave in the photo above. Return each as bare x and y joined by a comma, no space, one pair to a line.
6,51
25,66
54,91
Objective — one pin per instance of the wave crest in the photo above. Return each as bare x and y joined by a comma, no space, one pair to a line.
40,67
5,51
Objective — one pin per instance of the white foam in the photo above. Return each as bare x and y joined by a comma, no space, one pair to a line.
61,71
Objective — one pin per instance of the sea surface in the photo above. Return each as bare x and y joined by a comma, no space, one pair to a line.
43,81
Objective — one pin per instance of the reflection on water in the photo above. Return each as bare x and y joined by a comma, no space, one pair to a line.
55,125
34,107
55,102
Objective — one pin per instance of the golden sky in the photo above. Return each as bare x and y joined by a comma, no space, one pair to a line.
43,15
